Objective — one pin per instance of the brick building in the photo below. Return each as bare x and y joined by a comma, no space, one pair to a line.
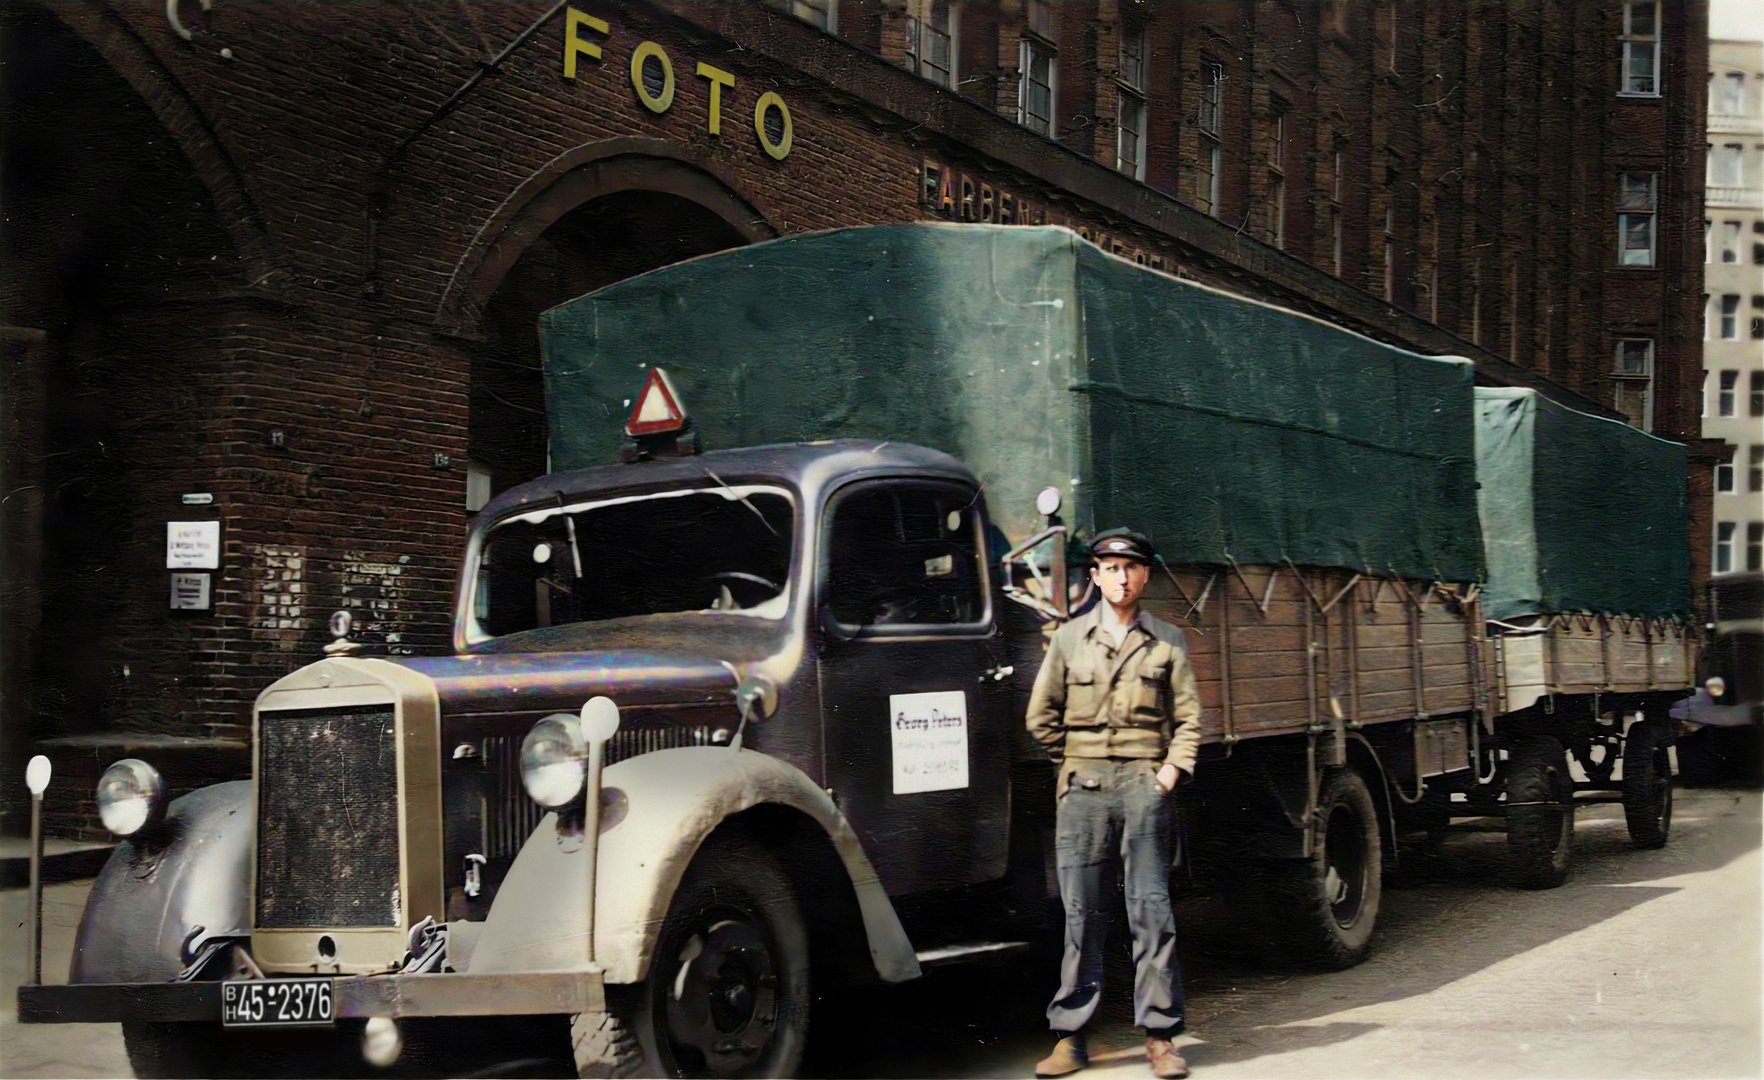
276,266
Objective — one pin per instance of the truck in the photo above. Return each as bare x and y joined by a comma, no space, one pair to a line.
734,708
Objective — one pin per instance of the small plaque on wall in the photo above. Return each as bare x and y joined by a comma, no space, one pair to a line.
192,545
192,592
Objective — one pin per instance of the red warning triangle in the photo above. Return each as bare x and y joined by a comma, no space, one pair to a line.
658,410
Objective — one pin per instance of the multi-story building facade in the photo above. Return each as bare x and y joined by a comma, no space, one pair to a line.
1733,279
271,271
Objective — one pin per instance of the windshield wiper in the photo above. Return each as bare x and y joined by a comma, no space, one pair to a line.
734,494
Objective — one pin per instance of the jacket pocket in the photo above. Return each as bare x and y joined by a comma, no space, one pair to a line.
1151,699
1082,698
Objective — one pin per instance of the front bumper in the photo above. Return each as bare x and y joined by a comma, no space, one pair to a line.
357,996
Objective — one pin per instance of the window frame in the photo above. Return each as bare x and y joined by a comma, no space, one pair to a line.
1755,393
1722,563
1754,546
1130,93
1029,48
1730,242
1210,105
1622,379
921,16
1724,482
907,631
1727,328
1754,468
1650,216
1726,391
1629,40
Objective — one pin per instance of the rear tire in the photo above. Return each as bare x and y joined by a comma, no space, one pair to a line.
728,991
1326,906
1647,785
1540,814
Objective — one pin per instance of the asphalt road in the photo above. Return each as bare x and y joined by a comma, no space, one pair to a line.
1646,964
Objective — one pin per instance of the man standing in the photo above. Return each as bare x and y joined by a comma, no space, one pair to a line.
1115,705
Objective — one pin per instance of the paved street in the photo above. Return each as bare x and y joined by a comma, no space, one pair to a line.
1645,964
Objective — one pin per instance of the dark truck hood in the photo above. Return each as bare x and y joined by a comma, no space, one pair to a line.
659,660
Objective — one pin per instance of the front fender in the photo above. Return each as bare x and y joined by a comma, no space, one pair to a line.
150,897
675,799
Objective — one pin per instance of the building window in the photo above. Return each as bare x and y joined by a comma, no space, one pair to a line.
1633,376
1035,93
1755,468
1335,237
1723,547
1708,241
1705,392
1211,92
932,29
1727,166
1207,182
1724,479
1277,194
1757,394
1730,241
1277,174
1730,317
1390,254
1130,119
1755,545
1724,396
1641,48
1635,219
821,13
1757,320
1726,93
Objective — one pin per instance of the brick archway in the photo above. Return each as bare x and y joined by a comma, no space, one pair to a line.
570,180
261,260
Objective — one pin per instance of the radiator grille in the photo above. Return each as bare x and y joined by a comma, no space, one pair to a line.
511,817
327,818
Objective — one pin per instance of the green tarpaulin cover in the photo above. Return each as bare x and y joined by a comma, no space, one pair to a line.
1227,429
1579,513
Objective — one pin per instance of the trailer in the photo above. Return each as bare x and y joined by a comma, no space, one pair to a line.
735,705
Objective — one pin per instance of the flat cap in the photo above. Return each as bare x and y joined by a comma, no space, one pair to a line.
1122,543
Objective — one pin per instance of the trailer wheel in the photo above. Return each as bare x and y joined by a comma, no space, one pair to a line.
728,989
1540,814
1647,785
1327,905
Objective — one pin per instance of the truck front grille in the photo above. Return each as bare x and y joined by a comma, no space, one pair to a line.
327,818
510,817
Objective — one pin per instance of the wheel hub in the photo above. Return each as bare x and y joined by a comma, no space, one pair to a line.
720,1005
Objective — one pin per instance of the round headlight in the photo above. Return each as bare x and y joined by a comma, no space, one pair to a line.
554,761
131,796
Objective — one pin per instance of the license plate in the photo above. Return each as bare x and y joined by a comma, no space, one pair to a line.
277,1003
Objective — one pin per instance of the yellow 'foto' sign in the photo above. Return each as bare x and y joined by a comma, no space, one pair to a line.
652,77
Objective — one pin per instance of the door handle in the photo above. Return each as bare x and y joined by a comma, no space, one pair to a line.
998,674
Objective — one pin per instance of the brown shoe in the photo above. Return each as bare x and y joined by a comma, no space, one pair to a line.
1067,1058
1166,1063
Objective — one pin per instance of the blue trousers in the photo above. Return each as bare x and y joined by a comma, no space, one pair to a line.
1115,823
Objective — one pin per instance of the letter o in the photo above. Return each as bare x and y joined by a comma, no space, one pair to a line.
780,149
658,103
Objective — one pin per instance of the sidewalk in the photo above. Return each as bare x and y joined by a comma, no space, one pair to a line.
63,860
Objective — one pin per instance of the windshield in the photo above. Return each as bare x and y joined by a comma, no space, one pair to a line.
722,550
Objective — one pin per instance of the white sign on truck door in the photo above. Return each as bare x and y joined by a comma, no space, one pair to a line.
930,737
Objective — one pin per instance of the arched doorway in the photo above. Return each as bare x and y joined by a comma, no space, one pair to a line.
606,239
109,243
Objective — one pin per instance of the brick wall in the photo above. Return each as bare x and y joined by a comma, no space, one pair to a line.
355,250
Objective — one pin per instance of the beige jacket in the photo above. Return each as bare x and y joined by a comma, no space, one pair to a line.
1138,702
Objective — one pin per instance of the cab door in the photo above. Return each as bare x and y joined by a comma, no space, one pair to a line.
915,715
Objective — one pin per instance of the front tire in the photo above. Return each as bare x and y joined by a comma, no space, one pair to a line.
210,1050
1540,814
1327,905
1647,785
728,989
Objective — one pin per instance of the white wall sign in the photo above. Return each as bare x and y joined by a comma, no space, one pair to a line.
191,592
930,735
192,545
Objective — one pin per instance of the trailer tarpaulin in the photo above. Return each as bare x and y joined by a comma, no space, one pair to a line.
1579,513
1227,429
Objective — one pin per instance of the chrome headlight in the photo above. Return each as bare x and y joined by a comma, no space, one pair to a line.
554,761
131,796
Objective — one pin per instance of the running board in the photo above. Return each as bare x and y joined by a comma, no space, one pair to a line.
969,950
